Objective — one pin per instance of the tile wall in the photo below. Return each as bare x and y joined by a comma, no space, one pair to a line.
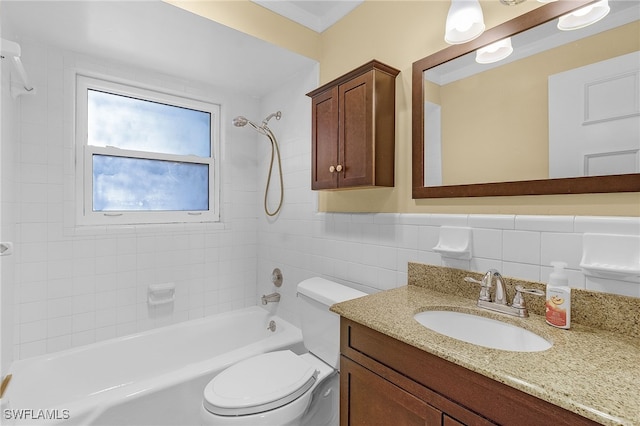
75,286
8,132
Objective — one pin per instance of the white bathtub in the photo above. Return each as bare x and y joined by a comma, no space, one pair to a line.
150,378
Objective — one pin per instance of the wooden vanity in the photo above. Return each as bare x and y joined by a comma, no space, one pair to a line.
394,371
385,381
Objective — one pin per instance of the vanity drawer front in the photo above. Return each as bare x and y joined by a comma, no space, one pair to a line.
450,388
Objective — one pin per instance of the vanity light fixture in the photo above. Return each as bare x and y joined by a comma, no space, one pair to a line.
584,16
512,2
494,52
465,21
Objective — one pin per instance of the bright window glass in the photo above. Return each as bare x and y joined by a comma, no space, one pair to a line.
130,184
136,124
146,156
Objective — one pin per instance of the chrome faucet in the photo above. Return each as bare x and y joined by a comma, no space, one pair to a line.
273,297
499,302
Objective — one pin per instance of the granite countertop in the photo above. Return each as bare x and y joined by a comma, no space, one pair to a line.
589,371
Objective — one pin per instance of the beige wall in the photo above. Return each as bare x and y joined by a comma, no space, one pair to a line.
398,33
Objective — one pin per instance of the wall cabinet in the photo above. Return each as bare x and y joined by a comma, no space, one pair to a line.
385,381
353,129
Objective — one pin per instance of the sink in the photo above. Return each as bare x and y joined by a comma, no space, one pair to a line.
482,331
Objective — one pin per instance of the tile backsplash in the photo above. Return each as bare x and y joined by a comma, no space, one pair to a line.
604,311
373,249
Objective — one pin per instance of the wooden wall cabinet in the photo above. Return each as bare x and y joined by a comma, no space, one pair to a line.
353,129
384,381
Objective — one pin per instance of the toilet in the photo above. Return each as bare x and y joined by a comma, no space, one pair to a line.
282,387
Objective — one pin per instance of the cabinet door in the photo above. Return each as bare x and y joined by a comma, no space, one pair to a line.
368,399
449,421
355,152
324,141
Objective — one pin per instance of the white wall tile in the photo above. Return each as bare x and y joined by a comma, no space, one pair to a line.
487,243
545,223
607,225
521,246
33,331
561,247
613,286
34,311
492,221
521,270
483,265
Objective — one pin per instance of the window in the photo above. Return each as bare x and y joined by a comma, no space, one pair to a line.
144,156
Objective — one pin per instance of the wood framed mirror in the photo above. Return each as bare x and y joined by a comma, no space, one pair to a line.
528,171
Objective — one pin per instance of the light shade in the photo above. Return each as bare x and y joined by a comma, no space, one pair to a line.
464,21
494,52
584,16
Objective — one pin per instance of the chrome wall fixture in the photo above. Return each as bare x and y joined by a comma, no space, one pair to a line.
11,50
263,129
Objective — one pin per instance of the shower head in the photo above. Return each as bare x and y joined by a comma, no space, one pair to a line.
240,121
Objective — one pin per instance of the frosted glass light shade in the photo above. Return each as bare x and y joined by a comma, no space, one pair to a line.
464,21
494,52
584,16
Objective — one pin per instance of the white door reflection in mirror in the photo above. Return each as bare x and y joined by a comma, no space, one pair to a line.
433,144
594,119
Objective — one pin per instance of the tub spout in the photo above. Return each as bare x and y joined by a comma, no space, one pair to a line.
273,297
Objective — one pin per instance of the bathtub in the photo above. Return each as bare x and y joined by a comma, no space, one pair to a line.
151,378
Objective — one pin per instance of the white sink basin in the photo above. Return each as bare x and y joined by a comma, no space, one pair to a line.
482,331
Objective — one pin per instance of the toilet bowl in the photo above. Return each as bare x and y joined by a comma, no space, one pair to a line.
275,388
282,387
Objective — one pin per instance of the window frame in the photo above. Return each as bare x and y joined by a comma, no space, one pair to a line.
85,215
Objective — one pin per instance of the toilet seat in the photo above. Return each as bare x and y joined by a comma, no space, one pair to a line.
258,384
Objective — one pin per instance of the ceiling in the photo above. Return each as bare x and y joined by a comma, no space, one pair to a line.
317,15
152,35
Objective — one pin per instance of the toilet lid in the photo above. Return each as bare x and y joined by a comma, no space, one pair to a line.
259,384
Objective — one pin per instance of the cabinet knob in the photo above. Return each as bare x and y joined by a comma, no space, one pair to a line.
339,168
332,169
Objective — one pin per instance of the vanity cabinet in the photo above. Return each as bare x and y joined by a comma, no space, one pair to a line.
353,129
385,381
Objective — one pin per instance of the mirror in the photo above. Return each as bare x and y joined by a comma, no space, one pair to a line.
473,134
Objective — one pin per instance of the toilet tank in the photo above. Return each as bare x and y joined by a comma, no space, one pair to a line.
321,327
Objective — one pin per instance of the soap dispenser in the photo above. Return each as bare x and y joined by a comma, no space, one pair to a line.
558,306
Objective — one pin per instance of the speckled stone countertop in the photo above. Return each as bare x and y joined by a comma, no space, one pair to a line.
591,371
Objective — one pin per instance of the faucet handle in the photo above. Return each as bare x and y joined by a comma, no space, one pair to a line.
518,299
485,288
